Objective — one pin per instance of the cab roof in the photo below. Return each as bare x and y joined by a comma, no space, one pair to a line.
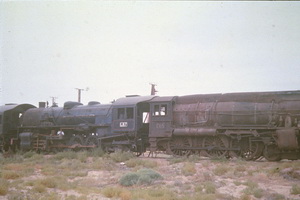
163,99
132,100
19,107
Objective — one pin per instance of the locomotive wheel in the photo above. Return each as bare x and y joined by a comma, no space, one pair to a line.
178,146
92,141
75,142
272,153
253,151
197,143
234,153
215,146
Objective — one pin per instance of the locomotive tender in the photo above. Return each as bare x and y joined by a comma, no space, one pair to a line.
249,125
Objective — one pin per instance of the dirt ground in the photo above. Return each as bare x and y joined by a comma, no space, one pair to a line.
84,177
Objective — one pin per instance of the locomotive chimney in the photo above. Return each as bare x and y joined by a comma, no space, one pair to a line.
42,104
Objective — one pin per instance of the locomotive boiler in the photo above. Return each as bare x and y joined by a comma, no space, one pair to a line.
72,126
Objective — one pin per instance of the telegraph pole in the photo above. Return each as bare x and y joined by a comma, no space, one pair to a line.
79,93
54,104
153,90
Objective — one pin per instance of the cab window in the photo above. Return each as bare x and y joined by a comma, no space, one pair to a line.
125,113
160,110
121,113
163,110
129,113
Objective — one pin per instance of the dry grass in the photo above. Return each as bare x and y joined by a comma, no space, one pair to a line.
295,189
136,162
154,194
188,169
120,156
3,187
94,175
103,164
117,192
10,175
221,170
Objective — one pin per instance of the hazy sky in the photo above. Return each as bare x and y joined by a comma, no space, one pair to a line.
118,48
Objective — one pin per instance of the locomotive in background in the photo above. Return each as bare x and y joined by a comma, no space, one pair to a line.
249,125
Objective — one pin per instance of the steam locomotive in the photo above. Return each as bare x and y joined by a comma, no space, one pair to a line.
250,125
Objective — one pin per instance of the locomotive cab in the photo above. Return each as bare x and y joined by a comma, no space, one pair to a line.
161,117
131,121
10,115
161,126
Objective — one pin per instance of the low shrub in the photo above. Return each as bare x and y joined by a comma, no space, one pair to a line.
245,197
48,182
295,189
121,156
258,193
39,188
155,194
275,196
96,152
3,187
148,176
134,162
202,196
240,168
253,189
221,170
129,179
29,154
16,195
82,156
143,176
209,187
103,164
117,192
194,158
188,169
69,154
174,160
14,167
10,175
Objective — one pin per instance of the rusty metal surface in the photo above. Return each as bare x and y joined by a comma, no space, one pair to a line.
287,139
191,131
238,109
242,96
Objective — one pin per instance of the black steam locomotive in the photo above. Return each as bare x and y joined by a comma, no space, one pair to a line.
249,125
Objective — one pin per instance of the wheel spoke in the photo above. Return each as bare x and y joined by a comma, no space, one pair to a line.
180,146
251,151
215,146
92,141
75,141
272,153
